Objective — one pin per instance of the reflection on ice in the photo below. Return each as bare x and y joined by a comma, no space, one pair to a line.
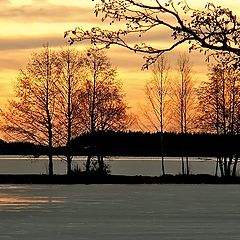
17,196
13,200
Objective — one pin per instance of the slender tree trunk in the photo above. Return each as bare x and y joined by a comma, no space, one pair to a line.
162,155
69,165
183,168
50,154
224,107
69,118
50,146
229,166
94,96
217,127
50,165
187,166
221,166
92,114
182,154
163,166
225,166
100,164
234,171
49,118
88,163
161,115
216,169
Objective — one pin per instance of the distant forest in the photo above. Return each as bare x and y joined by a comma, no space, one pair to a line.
69,104
112,143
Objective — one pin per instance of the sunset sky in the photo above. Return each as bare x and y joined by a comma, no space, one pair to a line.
25,25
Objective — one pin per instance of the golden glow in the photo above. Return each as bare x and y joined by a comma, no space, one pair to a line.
17,201
25,25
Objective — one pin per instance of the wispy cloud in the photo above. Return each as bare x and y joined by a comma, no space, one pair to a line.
8,44
47,13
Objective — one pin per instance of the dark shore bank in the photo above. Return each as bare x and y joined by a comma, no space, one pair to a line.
115,179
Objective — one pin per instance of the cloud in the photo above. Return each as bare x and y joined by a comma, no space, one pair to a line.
123,58
47,13
4,2
16,51
9,63
8,44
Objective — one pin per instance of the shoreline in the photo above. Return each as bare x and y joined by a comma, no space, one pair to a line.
115,179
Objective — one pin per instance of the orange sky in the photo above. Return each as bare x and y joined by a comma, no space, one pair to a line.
25,25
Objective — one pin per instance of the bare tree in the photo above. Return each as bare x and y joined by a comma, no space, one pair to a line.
183,100
219,103
101,99
30,117
156,93
70,66
213,28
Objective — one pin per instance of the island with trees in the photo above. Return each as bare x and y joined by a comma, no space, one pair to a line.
72,103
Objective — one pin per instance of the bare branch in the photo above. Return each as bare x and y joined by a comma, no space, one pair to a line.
214,28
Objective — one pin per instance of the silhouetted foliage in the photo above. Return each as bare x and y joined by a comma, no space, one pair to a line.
183,103
30,116
213,28
147,144
156,91
61,95
101,104
68,85
22,148
219,103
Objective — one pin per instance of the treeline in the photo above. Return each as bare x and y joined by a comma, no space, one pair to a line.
212,107
21,148
62,94
112,143
72,103
149,144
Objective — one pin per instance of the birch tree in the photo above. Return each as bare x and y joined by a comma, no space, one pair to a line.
101,100
31,115
219,103
183,100
156,90
70,66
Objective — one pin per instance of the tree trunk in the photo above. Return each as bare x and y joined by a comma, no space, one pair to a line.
221,166
50,164
225,166
229,166
183,168
162,155
88,164
100,164
187,165
163,167
69,165
234,174
216,169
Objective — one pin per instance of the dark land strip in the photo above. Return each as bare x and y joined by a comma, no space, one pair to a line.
115,179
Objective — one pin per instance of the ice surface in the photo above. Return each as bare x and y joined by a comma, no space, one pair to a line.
118,165
120,212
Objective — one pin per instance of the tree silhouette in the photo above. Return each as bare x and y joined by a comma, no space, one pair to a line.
68,85
183,100
101,100
31,116
213,28
219,105
156,90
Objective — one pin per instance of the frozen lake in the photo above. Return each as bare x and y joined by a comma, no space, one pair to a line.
120,212
118,165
